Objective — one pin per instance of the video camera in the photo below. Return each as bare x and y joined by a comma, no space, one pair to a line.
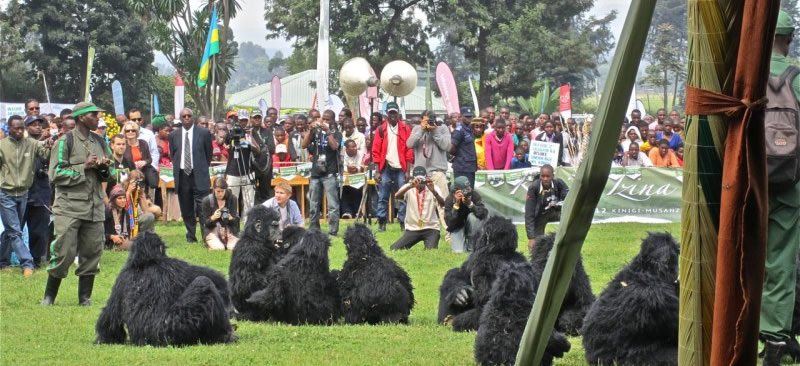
225,213
237,133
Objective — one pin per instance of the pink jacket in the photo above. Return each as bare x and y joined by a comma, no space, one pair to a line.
499,154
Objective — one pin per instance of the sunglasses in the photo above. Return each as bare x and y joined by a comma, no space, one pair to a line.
129,131
136,119
186,116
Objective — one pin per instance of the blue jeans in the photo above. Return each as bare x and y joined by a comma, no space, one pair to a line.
12,211
330,184
391,181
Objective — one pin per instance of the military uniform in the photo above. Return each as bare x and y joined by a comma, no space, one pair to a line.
783,237
78,208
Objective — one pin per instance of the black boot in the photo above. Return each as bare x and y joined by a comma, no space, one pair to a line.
381,227
402,226
773,352
85,284
51,290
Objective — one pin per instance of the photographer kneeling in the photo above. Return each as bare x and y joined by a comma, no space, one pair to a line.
422,218
543,203
220,217
464,214
127,212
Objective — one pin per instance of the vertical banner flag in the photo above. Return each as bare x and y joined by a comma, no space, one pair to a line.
179,95
565,101
212,48
116,93
156,109
631,103
428,89
276,93
474,97
447,87
262,105
363,105
322,54
89,60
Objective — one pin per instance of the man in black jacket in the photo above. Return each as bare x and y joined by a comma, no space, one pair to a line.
190,149
463,214
543,203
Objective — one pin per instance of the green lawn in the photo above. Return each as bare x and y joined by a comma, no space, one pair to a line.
64,333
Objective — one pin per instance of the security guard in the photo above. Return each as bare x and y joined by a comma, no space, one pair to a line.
79,163
783,237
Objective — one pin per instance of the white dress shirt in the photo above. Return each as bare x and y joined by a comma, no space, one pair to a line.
184,132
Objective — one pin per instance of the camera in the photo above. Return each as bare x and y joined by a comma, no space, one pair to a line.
237,133
225,213
137,183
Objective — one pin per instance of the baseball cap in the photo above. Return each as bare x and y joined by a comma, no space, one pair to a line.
83,108
392,107
460,183
34,118
258,113
478,121
281,148
467,112
785,23
244,114
419,172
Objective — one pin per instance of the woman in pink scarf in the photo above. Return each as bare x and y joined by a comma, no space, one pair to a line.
499,148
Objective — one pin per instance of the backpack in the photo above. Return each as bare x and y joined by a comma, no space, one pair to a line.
781,126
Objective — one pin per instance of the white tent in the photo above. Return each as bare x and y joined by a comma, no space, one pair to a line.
297,93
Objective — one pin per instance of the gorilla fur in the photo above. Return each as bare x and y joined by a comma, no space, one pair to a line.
579,295
165,301
505,316
260,247
374,288
635,319
495,244
301,289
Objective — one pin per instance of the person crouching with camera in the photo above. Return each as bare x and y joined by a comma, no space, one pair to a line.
220,217
128,212
463,214
423,200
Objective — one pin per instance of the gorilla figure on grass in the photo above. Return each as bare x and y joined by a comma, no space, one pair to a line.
579,295
465,290
374,288
505,316
301,289
260,247
634,321
165,301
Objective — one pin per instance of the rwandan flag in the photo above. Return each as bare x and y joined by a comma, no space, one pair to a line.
212,48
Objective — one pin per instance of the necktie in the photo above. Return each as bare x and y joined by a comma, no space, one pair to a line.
187,155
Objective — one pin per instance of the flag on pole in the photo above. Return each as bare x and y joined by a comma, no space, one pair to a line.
322,54
116,93
447,86
179,96
87,96
428,89
212,48
565,101
156,108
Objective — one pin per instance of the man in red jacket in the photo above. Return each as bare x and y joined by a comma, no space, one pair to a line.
394,160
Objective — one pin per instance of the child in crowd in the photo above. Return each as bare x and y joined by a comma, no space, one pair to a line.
520,159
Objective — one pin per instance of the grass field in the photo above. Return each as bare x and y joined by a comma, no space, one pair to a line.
64,333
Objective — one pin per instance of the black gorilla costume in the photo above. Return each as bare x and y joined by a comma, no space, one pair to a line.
579,295
635,319
165,301
301,289
465,290
373,287
260,247
505,315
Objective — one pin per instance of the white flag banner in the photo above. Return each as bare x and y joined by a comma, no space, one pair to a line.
322,51
179,97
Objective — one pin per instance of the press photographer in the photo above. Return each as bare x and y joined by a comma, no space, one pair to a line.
423,200
464,214
220,218
323,142
240,173
430,142
128,212
543,203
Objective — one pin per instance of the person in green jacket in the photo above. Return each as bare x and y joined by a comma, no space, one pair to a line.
79,163
783,237
17,166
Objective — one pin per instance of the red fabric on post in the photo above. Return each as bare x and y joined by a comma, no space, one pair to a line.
743,221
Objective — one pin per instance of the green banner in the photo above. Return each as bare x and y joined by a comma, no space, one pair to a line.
649,195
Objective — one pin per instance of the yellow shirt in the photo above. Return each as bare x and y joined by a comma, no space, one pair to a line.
479,152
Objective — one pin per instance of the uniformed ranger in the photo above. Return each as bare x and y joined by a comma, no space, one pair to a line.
79,163
783,237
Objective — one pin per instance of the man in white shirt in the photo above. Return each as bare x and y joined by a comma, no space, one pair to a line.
423,200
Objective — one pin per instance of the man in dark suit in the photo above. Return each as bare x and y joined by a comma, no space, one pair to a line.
190,149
